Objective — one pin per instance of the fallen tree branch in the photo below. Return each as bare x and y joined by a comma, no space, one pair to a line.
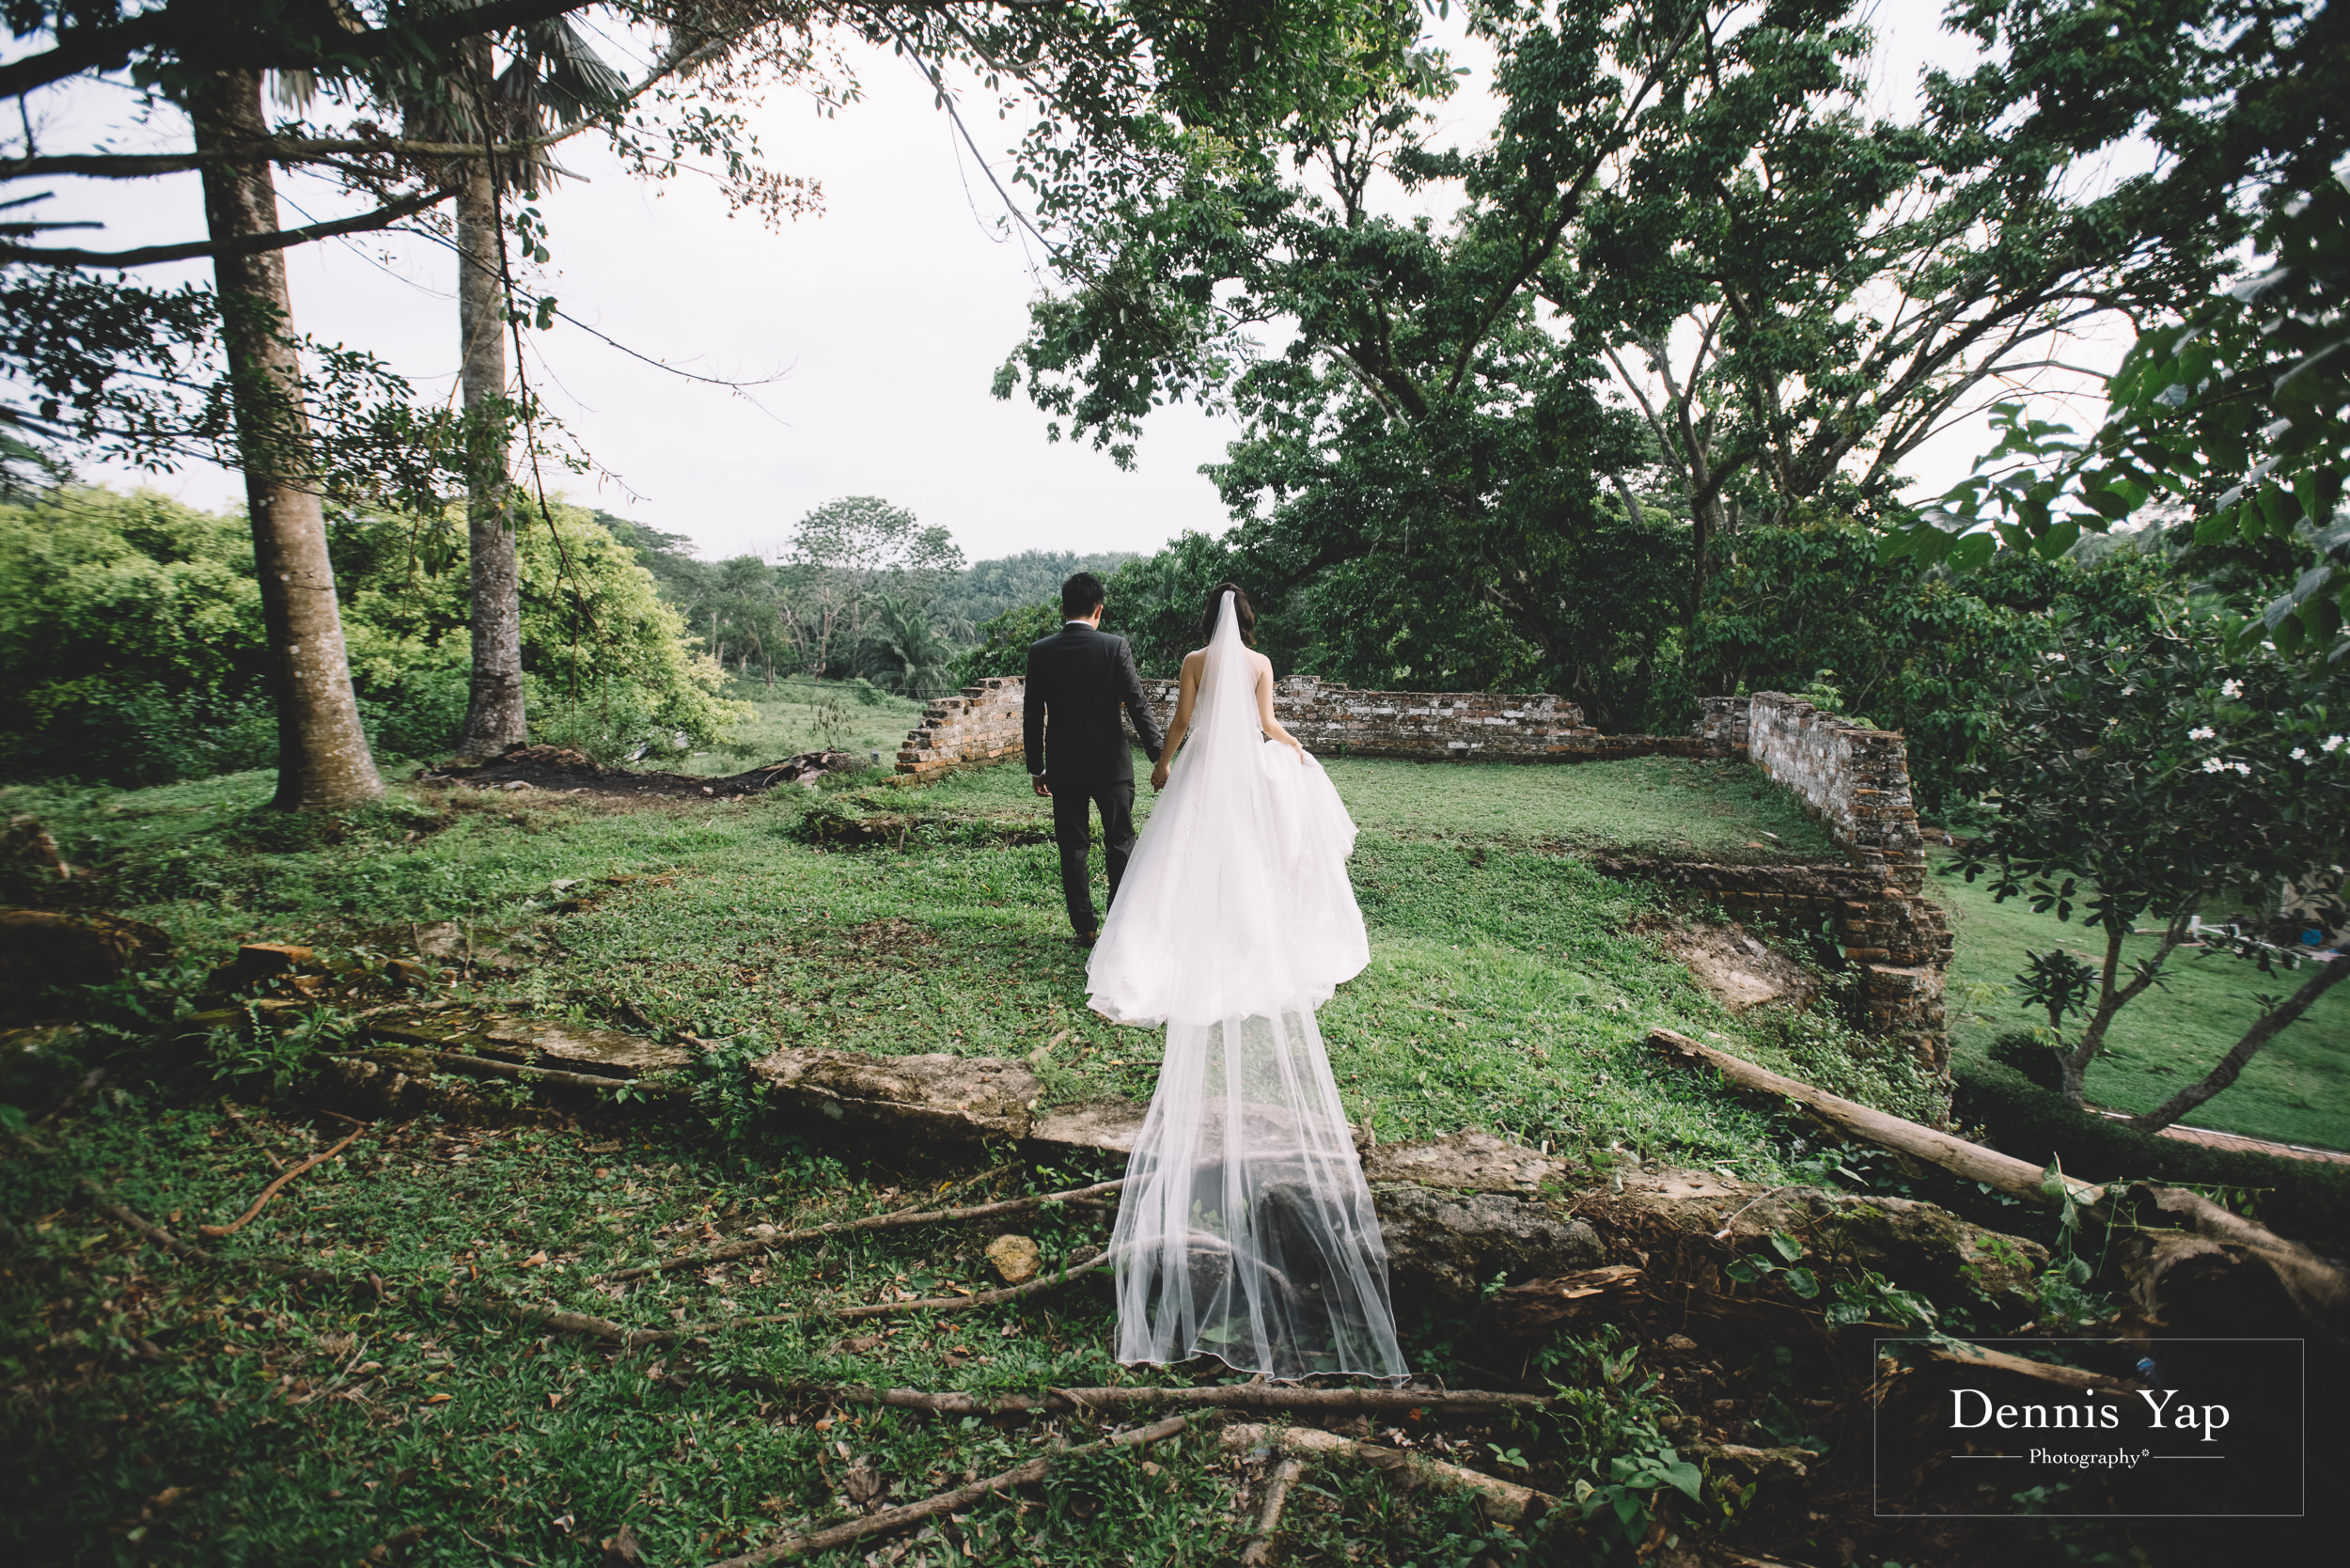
216,1232
2046,1372
1267,1398
891,1519
1540,1304
956,1303
620,1333
1276,1495
90,1080
1506,1502
872,1222
557,1076
1972,1161
2317,1288
228,1108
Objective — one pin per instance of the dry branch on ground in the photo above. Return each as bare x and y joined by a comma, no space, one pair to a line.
872,1222
891,1519
1505,1502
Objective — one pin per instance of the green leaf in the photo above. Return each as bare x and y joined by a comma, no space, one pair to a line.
1684,1478
2060,538
1972,553
1786,1245
2112,503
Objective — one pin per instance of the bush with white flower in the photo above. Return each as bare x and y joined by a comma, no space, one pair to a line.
2156,779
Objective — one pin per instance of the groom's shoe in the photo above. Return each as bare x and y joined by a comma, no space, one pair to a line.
1086,938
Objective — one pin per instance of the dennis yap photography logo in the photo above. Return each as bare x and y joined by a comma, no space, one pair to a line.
2178,1428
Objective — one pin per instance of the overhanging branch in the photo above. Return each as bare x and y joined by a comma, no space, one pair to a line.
130,165
251,244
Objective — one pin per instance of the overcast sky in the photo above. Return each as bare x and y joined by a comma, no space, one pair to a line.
883,318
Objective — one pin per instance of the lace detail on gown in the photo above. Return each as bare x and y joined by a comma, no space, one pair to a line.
1245,1230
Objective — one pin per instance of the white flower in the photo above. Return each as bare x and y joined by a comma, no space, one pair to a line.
2232,688
2202,733
2244,768
2300,752
2054,658
2130,691
2331,743
2212,764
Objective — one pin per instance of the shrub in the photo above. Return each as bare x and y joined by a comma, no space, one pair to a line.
131,631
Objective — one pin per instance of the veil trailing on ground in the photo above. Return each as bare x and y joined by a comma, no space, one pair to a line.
1246,1228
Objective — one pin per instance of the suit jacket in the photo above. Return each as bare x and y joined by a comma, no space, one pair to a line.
1078,679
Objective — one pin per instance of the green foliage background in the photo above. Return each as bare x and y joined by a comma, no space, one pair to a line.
132,641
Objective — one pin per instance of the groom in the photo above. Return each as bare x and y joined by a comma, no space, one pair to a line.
1078,678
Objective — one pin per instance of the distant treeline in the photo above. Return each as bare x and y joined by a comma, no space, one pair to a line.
859,589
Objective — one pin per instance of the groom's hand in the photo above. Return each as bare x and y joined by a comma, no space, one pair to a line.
1041,787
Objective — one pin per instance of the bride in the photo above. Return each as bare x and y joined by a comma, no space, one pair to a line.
1245,1230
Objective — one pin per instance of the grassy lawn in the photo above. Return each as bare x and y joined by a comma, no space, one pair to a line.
2296,1090
799,714
1646,806
157,1413
1504,991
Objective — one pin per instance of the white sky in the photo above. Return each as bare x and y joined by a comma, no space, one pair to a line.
886,316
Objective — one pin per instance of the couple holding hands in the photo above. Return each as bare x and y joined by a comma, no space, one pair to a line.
1244,1229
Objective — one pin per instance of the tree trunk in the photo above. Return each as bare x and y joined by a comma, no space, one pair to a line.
2255,1038
494,712
2111,1000
323,763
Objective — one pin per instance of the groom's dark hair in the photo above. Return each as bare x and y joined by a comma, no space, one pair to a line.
1240,612
1080,594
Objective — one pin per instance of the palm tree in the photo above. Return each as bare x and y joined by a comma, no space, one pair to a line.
552,81
900,650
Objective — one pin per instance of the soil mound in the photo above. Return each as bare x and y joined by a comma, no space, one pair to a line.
561,769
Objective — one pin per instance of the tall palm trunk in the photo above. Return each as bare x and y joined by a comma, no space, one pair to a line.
323,763
493,713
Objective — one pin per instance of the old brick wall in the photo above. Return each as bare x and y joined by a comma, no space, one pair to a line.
982,724
1855,781
1486,726
977,725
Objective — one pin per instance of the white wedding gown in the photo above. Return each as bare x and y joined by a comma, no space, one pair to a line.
1244,1229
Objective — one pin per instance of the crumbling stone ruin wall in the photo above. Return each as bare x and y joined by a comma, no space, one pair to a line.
977,725
1855,781
1339,721
982,724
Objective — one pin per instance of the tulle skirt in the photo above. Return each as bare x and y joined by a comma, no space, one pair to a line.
1246,1228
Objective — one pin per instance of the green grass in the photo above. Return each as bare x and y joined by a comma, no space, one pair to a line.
1710,811
159,1414
2296,1090
156,1413
798,714
1505,991
1686,809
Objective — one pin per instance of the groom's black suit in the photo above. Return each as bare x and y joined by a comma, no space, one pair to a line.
1078,679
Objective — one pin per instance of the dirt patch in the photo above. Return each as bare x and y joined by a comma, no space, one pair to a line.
523,769
891,935
1734,965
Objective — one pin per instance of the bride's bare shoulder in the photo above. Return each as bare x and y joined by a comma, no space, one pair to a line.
1193,660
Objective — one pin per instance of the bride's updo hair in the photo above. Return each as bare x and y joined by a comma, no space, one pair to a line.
1240,612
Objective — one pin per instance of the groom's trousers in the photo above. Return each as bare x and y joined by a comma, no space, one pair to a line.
1072,829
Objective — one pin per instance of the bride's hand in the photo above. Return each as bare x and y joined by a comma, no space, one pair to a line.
1297,745
1158,775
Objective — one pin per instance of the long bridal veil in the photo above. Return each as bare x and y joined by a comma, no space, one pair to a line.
1246,1228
